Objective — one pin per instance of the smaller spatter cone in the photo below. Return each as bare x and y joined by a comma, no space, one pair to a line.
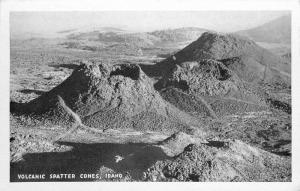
106,96
176,143
206,77
229,161
251,62
219,89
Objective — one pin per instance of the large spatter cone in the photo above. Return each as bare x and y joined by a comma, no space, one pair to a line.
107,96
251,62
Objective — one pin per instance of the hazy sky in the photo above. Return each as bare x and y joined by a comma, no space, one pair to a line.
223,21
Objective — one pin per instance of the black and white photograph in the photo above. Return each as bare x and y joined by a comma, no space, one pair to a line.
150,96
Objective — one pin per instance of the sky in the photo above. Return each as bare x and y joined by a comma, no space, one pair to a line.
138,21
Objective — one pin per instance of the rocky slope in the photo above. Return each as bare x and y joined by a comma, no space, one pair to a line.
230,161
218,90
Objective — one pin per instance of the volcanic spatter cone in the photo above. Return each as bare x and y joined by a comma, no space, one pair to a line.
106,96
249,61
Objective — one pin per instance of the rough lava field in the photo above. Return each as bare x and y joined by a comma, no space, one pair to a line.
185,104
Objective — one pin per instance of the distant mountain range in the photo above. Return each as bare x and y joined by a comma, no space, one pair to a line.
143,39
273,35
179,34
275,31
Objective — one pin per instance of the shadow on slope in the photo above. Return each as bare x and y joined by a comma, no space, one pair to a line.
89,158
29,91
152,70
